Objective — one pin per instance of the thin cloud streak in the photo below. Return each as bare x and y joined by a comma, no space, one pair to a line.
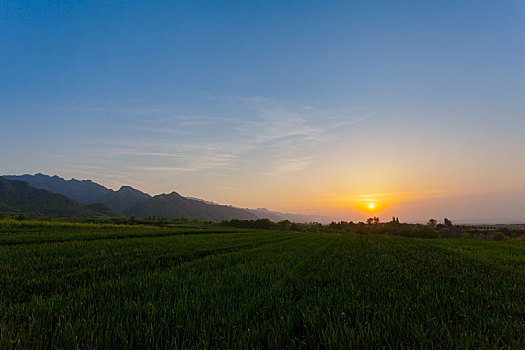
287,166
287,136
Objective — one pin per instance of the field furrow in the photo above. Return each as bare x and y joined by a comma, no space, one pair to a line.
262,289
62,267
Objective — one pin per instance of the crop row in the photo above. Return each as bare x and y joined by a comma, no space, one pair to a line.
13,232
41,270
264,289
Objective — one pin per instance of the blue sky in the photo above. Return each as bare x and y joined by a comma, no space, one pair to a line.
292,105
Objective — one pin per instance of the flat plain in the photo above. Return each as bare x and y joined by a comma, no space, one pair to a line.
107,286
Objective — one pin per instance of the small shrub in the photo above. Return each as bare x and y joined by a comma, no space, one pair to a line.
498,236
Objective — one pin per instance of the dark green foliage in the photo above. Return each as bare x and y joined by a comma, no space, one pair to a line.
498,236
257,289
266,224
261,224
393,227
284,225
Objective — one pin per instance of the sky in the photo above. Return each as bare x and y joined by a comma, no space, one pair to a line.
328,107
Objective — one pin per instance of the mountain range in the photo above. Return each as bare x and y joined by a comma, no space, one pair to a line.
174,205
83,191
91,199
20,197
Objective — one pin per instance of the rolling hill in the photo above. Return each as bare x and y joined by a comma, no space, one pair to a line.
83,191
86,191
19,197
125,198
132,202
174,205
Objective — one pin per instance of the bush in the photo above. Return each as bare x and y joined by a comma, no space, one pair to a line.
498,236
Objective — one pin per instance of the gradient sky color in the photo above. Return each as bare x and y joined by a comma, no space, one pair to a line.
301,106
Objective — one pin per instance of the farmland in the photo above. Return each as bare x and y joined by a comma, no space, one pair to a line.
92,286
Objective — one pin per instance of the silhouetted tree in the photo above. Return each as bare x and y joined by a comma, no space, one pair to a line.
284,225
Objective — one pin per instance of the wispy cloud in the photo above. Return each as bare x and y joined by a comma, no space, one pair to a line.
394,196
233,132
286,166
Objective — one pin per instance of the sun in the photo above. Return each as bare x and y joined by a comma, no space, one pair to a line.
371,206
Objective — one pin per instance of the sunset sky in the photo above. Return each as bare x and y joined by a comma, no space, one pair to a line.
325,107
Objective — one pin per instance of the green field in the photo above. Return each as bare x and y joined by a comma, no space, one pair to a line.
108,286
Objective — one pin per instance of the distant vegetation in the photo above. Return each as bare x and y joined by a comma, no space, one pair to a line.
129,286
21,200
393,227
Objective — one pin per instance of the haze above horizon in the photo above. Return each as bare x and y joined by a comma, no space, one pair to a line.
412,109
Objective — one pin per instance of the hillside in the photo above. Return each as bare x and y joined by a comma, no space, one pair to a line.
103,209
276,216
130,201
86,191
125,198
173,206
83,191
19,197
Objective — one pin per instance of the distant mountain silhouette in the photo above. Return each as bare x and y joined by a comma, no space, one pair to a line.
86,191
20,197
132,202
275,216
174,206
125,198
203,200
83,191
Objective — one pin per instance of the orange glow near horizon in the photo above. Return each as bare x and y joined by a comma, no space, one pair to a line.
370,206
376,204
373,203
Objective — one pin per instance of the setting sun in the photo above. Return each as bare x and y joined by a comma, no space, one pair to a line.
371,206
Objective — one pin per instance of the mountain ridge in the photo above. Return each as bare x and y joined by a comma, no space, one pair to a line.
132,202
83,191
173,206
124,198
18,197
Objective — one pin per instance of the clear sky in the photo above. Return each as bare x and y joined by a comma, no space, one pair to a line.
416,107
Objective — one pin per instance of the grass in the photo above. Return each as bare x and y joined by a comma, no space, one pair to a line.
93,286
32,231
